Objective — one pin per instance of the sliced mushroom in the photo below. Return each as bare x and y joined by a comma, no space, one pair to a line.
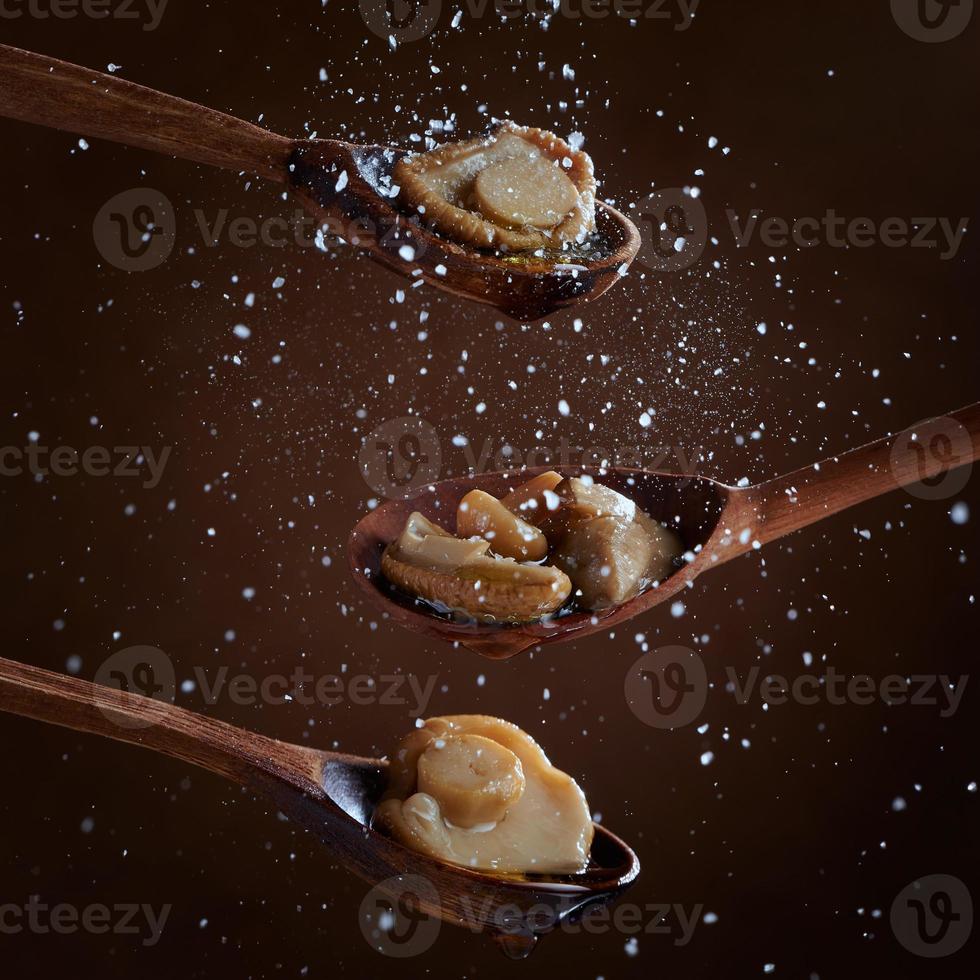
482,515
475,779
463,576
582,498
667,548
536,500
479,792
610,559
519,188
607,559
525,192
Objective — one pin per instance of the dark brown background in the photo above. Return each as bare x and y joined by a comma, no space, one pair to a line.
792,843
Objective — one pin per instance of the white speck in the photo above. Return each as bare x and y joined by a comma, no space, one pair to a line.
898,804
563,408
73,664
88,825
959,513
241,331
248,593
677,609
645,420
707,758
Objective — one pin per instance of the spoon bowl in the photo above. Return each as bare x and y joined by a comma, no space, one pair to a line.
716,523
332,795
692,506
346,186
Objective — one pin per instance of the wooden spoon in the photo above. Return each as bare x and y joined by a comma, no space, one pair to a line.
337,182
329,793
715,521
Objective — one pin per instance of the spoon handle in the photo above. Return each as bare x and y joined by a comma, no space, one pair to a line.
241,756
38,89
920,454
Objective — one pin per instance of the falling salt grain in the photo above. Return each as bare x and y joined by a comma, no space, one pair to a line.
707,758
241,331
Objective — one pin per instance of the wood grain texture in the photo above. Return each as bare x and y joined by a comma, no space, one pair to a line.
38,89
